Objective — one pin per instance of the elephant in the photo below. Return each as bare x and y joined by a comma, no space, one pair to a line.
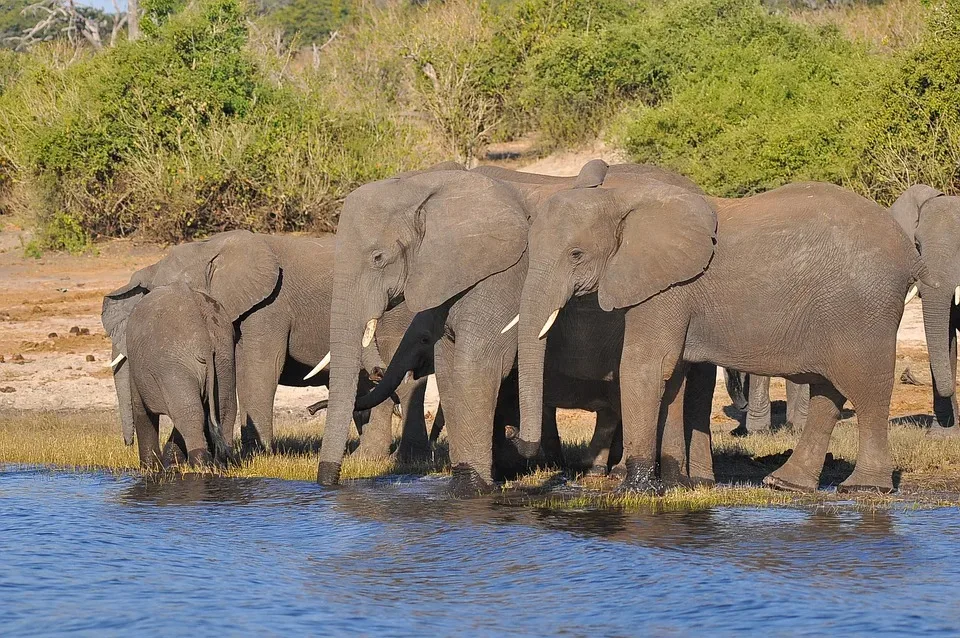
931,220
280,289
752,394
676,261
180,351
452,242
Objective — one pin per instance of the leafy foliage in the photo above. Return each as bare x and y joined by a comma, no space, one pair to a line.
182,132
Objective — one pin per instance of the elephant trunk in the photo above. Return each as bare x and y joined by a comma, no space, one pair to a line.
392,378
937,306
537,309
347,325
121,381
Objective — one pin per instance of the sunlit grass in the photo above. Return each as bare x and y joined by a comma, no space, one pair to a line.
930,468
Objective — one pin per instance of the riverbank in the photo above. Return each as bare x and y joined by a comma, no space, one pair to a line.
928,469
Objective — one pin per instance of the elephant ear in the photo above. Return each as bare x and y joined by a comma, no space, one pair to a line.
237,268
470,227
906,210
219,323
666,237
592,174
118,305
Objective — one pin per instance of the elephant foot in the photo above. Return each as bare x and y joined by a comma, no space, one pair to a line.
641,477
200,457
759,425
937,431
778,481
467,482
618,471
172,456
867,481
367,454
597,470
695,482
328,473
671,475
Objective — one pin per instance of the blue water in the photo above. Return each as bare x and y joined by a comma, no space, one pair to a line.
101,555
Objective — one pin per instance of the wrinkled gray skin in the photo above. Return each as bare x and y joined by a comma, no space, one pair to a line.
280,288
399,238
180,354
932,222
752,394
676,260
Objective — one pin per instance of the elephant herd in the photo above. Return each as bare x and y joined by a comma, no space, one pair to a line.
618,291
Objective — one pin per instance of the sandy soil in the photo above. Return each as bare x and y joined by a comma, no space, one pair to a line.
55,353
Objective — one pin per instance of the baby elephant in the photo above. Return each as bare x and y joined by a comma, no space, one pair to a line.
180,345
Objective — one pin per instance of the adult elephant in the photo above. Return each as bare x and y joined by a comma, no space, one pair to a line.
453,243
751,393
932,222
676,262
280,289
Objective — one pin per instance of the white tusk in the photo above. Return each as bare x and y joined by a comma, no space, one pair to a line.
910,295
368,332
320,366
120,357
550,320
512,323
956,296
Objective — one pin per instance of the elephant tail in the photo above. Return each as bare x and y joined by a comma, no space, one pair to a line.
221,451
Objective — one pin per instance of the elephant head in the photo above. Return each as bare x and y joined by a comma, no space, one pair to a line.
932,222
424,239
628,244
237,269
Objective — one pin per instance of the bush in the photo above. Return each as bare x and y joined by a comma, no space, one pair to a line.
915,135
183,133
749,101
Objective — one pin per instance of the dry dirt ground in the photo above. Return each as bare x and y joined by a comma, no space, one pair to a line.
55,353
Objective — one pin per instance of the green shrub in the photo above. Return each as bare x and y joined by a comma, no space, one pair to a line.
915,135
749,101
187,132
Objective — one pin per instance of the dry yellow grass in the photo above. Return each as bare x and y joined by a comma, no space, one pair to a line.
885,27
930,469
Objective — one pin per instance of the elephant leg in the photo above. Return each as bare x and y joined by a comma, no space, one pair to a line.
175,451
414,444
648,377
945,408
673,444
598,451
550,439
798,404
147,427
470,394
377,434
259,363
874,469
758,408
697,408
801,472
438,422
189,417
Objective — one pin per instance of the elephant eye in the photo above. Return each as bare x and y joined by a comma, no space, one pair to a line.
378,258
576,254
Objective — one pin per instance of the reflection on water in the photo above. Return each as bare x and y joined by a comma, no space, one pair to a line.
96,553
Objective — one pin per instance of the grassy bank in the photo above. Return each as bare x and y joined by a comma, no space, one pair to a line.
929,469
